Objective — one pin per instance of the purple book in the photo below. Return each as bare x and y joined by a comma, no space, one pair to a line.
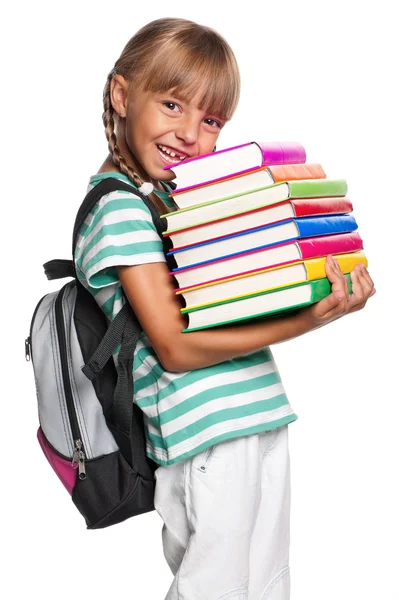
209,168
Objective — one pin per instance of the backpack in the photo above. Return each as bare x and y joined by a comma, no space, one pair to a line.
90,430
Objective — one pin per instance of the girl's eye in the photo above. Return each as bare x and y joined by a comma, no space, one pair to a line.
171,105
213,123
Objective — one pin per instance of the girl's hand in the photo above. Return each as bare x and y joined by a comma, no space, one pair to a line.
340,302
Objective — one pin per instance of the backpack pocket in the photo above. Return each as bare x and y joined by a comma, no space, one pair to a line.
62,466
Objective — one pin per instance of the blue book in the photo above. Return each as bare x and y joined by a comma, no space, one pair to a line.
262,237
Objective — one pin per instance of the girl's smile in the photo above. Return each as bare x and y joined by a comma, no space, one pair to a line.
170,155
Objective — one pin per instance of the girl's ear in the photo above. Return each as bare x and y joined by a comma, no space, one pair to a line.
118,94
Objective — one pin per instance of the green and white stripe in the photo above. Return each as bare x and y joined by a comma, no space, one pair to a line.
184,412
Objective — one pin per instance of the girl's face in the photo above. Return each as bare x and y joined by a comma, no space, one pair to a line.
160,124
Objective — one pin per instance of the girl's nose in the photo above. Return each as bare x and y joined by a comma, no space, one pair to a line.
188,130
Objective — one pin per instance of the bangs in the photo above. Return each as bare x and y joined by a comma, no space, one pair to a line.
207,75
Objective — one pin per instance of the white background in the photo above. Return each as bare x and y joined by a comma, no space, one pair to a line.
322,73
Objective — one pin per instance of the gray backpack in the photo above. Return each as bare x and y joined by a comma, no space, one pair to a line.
90,430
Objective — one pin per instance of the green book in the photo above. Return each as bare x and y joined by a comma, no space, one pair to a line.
257,198
258,305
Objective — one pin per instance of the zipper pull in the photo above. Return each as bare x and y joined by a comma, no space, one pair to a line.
27,349
82,468
75,457
78,459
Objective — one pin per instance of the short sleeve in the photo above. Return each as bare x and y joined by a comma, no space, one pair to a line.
119,231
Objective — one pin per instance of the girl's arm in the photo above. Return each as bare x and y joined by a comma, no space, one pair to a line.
150,291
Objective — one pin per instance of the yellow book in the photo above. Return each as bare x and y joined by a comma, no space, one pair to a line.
255,282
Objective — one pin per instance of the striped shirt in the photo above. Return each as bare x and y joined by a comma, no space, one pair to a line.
184,412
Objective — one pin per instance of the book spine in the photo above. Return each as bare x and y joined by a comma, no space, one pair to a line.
330,244
320,206
317,188
294,172
315,226
316,269
280,153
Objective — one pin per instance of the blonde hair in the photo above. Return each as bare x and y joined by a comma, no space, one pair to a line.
181,56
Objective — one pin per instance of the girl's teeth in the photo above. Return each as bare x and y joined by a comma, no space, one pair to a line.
170,153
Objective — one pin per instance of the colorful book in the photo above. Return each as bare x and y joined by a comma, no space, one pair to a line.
257,198
295,172
244,182
261,258
254,282
257,217
260,305
262,237
234,160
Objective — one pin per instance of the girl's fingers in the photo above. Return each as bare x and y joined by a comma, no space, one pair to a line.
340,301
329,304
342,283
333,273
362,288
357,288
366,274
345,282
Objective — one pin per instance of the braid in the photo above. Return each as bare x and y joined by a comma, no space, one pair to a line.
117,158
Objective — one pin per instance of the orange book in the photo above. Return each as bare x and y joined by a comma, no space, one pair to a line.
293,172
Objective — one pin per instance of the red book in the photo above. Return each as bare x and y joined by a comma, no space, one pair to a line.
263,215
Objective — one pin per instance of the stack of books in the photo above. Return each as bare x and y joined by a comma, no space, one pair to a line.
253,228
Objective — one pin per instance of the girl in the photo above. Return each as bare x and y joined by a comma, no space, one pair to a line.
216,415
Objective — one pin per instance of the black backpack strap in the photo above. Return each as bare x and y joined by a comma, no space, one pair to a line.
126,413
110,341
59,268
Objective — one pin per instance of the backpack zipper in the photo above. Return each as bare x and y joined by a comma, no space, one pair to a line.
78,458
28,341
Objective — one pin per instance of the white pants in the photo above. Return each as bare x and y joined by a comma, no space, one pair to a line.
226,514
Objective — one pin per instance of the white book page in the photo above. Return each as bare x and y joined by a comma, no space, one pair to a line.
233,225
246,285
239,203
238,243
250,306
240,264
224,188
218,165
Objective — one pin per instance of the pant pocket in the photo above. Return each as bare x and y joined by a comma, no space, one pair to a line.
279,587
173,549
270,439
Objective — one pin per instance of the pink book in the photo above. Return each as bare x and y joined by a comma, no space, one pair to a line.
279,254
210,168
